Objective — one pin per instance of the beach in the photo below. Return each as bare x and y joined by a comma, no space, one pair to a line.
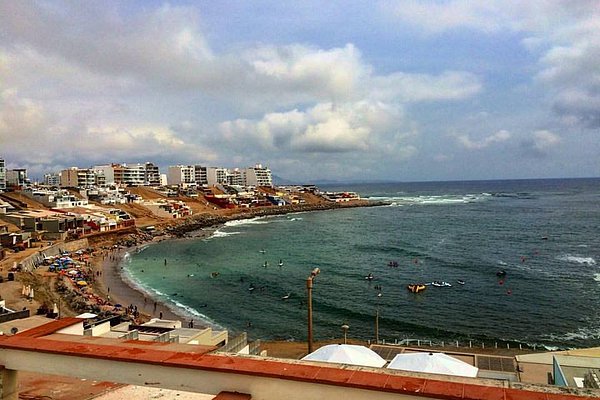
118,290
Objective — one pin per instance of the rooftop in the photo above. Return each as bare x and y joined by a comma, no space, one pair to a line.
194,368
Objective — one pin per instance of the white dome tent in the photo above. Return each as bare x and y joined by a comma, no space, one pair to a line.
433,363
346,354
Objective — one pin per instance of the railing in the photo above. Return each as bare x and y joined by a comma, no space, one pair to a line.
5,317
407,342
235,345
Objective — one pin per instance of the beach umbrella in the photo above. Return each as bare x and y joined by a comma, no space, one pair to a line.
346,354
433,363
31,293
82,283
55,309
73,272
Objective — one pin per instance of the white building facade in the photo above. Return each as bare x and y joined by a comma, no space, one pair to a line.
183,175
259,176
2,175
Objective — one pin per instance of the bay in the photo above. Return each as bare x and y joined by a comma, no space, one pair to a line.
543,233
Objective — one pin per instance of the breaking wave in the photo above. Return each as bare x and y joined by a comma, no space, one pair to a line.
577,259
432,199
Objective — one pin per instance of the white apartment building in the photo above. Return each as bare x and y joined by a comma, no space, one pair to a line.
124,174
184,175
2,175
236,177
259,176
216,176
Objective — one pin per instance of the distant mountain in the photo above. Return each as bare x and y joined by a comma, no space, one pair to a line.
279,181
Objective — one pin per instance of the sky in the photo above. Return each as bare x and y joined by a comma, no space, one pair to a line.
339,90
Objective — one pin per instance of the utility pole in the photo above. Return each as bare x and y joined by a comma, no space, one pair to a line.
309,286
377,325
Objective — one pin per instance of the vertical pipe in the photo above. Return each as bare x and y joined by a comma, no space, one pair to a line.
309,284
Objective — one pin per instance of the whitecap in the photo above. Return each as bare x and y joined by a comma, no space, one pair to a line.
500,262
220,234
597,277
432,199
577,259
249,221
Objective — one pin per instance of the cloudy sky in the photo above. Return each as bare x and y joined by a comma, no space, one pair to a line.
406,91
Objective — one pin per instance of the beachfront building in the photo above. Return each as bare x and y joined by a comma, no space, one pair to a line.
181,175
80,178
151,174
17,178
259,176
216,176
55,198
2,175
236,177
128,174
200,175
63,346
52,180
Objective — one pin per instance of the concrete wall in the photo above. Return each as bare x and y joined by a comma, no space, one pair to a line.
29,263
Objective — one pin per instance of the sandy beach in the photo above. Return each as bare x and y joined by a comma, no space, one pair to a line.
113,286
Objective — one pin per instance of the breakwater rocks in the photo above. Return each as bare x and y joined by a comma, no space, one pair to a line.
206,220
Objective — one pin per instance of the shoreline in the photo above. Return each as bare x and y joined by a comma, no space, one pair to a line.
112,285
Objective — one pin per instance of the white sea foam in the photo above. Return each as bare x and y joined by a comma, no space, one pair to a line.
582,334
597,277
220,234
432,200
500,262
249,221
576,259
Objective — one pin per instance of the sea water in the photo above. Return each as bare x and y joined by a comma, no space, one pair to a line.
542,233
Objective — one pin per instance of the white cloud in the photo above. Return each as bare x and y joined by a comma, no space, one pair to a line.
450,85
543,140
565,35
498,137
323,128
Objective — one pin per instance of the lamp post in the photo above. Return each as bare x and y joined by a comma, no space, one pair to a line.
309,286
345,328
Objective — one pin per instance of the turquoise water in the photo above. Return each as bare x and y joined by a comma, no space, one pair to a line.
544,234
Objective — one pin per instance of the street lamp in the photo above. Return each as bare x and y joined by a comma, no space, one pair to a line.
345,328
309,286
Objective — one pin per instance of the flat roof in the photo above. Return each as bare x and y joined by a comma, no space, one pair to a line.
43,339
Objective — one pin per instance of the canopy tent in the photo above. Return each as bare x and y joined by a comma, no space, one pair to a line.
434,363
86,315
346,354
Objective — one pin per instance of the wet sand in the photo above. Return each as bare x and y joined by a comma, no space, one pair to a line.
114,287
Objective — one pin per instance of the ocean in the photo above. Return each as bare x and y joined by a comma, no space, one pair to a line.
542,233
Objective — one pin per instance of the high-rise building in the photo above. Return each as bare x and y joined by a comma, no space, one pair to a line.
215,176
2,175
52,180
200,175
124,174
184,175
17,178
151,174
79,177
236,176
258,176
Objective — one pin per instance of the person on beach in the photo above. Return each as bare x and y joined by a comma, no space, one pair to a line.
160,315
